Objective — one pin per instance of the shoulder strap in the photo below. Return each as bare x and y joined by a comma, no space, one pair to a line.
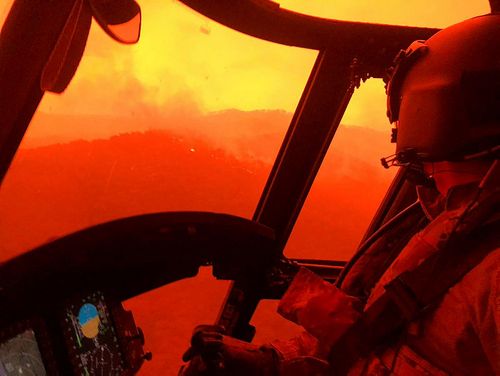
375,255
408,296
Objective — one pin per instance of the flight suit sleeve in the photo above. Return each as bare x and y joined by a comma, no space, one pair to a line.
462,335
324,311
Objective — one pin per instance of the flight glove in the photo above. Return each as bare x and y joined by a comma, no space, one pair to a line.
214,354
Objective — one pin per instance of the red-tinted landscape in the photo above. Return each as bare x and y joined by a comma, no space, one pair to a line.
55,189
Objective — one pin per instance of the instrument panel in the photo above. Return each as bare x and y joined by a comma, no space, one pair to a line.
88,335
72,287
91,337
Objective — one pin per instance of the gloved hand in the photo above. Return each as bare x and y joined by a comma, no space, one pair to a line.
212,353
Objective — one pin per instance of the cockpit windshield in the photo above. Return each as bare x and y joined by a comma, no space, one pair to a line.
190,118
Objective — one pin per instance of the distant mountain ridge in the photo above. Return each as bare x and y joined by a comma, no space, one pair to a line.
257,134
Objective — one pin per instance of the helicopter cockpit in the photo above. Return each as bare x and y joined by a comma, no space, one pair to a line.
67,303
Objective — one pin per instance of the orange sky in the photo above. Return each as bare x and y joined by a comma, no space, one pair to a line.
186,62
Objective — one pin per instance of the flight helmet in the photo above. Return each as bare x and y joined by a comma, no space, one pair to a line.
443,94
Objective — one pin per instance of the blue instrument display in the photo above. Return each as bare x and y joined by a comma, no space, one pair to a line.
94,347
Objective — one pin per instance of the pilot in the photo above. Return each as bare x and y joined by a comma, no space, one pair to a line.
434,308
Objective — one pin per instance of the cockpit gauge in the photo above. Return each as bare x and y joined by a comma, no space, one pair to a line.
92,342
20,355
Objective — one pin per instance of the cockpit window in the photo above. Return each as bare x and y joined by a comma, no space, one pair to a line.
350,184
190,118
4,10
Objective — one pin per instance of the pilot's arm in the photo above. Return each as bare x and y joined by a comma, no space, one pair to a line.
323,310
212,353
